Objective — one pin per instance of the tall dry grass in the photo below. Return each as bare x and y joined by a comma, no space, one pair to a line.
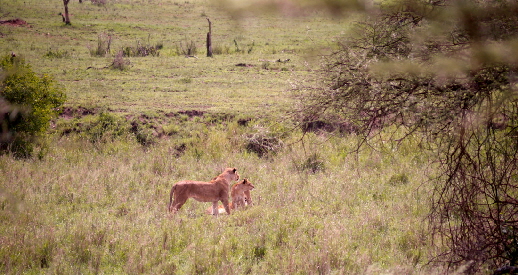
97,203
91,208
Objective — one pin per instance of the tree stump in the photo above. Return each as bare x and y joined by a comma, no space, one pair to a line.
209,39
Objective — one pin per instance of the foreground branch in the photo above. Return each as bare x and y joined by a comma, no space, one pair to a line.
506,270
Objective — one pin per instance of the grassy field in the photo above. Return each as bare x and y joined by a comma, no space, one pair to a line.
85,210
97,202
170,81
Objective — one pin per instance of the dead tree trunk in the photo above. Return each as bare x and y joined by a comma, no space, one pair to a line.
209,39
67,18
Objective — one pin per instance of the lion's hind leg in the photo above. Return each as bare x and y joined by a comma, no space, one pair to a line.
176,205
171,194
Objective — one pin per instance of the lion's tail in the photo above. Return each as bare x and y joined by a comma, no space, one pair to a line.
171,198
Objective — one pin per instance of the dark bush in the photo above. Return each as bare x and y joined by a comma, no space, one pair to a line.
142,50
398,179
119,62
263,142
144,134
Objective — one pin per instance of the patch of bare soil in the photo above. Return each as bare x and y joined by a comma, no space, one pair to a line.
192,113
244,65
142,119
76,112
13,22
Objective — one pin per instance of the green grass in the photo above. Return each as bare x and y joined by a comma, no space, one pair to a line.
97,202
87,210
169,81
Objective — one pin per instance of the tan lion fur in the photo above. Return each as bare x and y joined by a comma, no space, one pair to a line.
240,194
215,190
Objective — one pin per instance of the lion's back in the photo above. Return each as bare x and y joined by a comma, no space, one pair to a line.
200,190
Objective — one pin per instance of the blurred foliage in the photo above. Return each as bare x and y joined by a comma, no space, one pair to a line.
313,163
444,72
419,66
29,102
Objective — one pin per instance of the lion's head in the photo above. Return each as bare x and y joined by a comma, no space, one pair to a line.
240,194
229,174
244,185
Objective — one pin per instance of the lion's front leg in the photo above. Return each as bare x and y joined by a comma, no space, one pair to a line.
240,202
225,204
215,210
248,198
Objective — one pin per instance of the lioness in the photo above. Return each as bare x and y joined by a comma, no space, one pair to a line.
240,194
213,191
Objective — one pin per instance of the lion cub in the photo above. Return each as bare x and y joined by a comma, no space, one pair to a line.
240,194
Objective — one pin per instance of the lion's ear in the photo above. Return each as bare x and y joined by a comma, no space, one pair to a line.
245,181
234,170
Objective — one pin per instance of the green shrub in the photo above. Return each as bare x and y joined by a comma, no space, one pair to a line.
189,49
221,49
146,137
54,54
144,134
398,179
33,102
106,128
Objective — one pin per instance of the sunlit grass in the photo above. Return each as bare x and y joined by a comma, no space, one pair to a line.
90,209
99,206
169,81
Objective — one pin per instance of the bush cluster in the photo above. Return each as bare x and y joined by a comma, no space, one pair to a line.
104,42
142,50
263,142
56,54
189,49
32,102
119,62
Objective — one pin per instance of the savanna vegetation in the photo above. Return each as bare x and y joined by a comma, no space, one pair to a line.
380,137
443,72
